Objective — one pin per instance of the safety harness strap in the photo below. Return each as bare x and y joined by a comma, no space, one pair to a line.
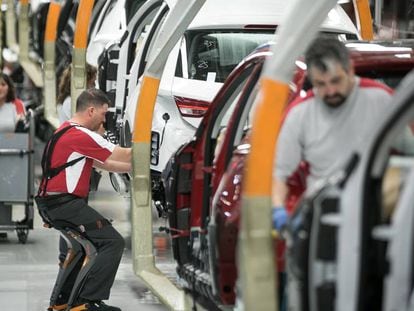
47,171
52,172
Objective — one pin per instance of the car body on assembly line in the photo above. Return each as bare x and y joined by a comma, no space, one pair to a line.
203,180
219,37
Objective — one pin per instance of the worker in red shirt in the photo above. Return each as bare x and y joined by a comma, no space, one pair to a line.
67,163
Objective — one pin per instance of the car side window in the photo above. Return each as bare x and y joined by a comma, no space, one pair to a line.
181,70
232,103
212,55
223,118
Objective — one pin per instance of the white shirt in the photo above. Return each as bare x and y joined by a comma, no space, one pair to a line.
8,118
64,110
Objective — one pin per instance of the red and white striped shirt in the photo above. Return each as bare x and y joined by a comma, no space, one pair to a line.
75,143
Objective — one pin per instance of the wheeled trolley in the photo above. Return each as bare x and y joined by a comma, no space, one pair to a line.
17,180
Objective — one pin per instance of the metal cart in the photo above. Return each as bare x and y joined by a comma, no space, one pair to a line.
17,179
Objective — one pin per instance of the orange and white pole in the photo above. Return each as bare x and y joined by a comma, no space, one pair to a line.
80,42
173,28
364,19
255,248
49,70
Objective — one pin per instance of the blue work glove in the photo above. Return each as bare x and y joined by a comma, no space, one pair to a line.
279,217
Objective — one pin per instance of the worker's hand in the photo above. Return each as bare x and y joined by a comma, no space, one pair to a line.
279,217
101,130
111,137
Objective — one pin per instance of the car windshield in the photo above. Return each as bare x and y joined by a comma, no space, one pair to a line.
212,55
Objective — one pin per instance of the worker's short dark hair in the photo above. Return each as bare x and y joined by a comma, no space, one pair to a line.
91,97
325,49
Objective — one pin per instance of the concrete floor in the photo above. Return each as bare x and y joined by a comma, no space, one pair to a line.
28,272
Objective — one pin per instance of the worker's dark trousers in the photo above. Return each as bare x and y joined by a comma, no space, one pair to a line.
108,242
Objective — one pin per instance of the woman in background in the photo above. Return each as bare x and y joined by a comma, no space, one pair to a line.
12,109
64,100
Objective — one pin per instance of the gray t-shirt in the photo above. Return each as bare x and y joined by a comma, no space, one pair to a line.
325,137
8,118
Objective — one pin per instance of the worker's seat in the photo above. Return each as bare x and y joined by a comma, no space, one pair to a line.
78,248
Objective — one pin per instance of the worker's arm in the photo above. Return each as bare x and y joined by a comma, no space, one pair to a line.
113,166
121,154
288,155
279,192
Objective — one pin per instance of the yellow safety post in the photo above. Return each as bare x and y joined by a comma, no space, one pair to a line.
49,90
80,42
364,19
31,67
142,240
255,247
11,27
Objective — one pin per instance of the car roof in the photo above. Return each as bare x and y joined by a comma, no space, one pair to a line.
364,52
219,14
390,55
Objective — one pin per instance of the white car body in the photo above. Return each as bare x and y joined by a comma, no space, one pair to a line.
217,16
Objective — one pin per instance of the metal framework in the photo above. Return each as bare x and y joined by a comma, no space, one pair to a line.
30,66
49,90
256,255
143,258
80,43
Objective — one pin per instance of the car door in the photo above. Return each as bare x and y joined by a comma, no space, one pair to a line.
144,44
116,61
188,173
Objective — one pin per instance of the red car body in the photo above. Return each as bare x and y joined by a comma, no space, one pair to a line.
204,185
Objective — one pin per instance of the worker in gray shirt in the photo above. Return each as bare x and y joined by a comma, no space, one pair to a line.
325,126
